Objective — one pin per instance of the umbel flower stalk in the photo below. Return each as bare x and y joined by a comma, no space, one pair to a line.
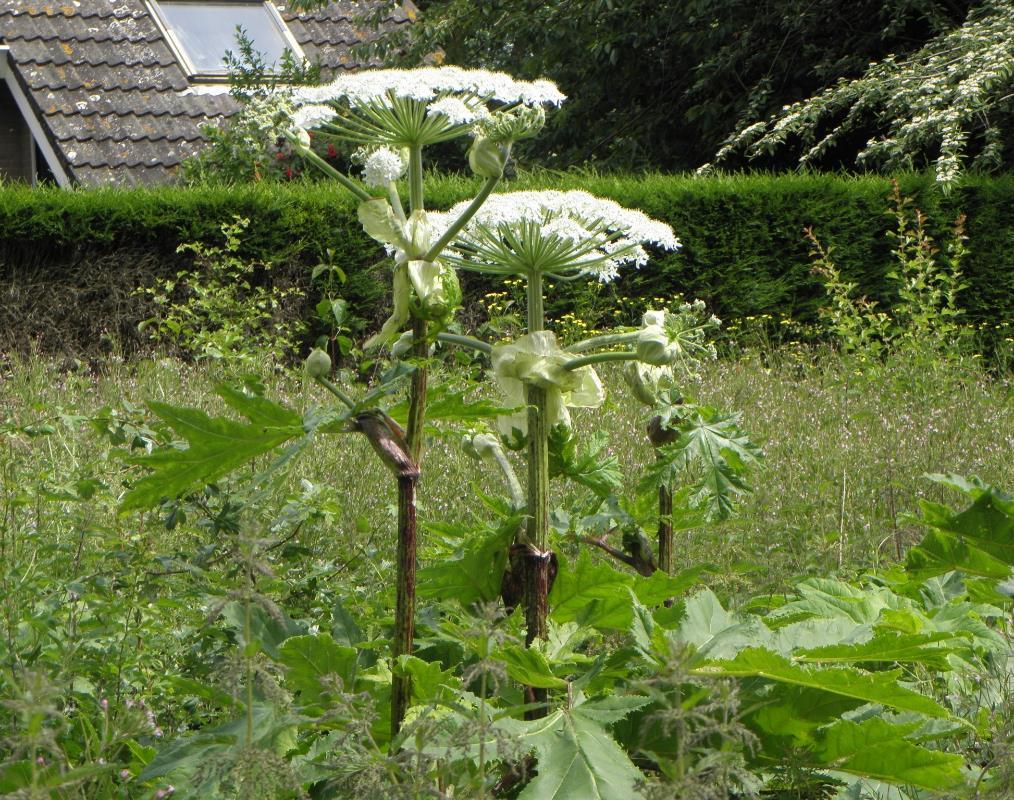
552,236
393,115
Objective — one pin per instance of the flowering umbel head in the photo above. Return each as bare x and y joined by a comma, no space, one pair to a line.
414,107
671,345
552,232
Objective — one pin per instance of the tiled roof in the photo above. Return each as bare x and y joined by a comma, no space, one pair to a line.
113,100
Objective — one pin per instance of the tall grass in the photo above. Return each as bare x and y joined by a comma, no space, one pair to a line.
845,454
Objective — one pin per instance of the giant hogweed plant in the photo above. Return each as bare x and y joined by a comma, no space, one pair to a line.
571,697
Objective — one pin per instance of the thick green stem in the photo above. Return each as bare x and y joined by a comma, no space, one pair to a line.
404,612
331,172
510,478
346,400
599,358
462,221
417,393
536,310
465,341
395,199
415,179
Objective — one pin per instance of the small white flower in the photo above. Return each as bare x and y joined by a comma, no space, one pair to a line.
382,166
313,116
456,110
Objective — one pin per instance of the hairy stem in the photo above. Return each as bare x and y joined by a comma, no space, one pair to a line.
404,612
665,554
536,573
417,392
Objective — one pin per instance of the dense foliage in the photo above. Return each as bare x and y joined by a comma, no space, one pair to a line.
113,644
659,84
69,260
948,103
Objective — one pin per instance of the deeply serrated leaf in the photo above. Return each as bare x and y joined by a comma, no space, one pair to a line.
308,659
474,572
591,467
886,647
530,667
577,757
877,749
216,447
879,687
714,445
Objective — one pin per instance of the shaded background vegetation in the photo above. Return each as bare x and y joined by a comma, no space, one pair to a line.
69,262
661,84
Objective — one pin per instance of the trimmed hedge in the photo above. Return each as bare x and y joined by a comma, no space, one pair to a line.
69,258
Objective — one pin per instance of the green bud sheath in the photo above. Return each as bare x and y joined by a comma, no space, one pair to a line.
318,364
486,158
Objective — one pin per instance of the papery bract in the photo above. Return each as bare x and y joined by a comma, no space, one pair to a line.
646,380
536,360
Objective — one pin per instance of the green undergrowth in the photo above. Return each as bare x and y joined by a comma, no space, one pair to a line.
196,647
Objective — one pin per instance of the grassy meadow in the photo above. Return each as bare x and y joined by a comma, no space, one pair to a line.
845,453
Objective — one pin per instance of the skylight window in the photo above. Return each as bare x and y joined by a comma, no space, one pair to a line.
202,32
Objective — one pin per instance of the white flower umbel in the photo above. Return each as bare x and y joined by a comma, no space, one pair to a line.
429,83
677,337
418,107
382,166
312,116
553,232
457,111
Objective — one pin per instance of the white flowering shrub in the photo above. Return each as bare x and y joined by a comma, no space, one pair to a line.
948,104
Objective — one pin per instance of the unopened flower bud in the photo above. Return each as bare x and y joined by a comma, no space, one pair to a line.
480,445
318,364
486,158
403,345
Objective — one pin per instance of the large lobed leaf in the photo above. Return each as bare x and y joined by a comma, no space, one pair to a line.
876,749
714,445
878,687
577,757
215,446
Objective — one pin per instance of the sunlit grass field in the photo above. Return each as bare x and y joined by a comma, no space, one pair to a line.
845,454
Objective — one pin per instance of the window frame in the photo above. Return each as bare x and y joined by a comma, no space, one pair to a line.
194,74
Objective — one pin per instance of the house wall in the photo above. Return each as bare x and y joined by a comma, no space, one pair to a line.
17,150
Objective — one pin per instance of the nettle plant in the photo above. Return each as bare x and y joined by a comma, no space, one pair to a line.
602,648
